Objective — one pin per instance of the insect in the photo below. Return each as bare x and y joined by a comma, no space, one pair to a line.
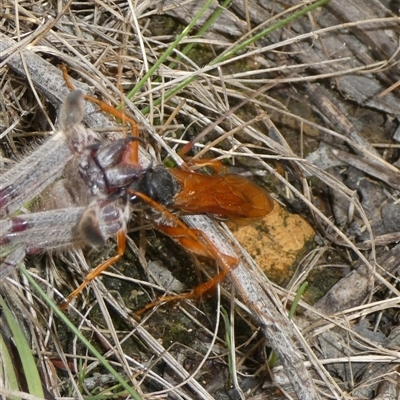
229,196
99,180
92,200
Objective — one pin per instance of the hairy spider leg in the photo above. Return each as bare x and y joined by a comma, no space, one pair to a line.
121,243
195,241
134,153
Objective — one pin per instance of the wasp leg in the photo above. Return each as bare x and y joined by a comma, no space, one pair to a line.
121,240
195,241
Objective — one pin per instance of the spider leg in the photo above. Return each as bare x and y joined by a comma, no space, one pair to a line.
134,154
43,166
11,262
35,232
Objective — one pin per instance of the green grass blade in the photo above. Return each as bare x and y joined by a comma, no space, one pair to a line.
296,300
265,32
7,372
240,47
215,15
170,49
79,335
28,362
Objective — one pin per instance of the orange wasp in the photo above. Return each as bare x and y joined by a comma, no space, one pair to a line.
225,196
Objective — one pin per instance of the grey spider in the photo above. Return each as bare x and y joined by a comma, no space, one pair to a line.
92,199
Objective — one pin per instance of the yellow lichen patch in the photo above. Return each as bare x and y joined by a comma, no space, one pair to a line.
276,241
